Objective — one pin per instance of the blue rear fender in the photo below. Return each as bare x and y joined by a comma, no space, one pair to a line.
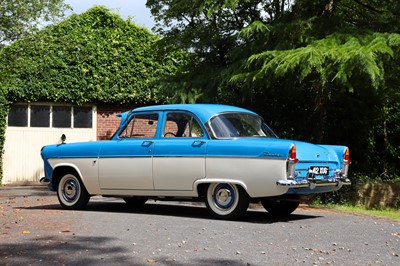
337,150
248,147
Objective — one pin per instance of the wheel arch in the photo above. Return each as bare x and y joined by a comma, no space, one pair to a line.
63,169
202,185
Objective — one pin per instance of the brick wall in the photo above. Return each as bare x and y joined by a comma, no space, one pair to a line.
107,121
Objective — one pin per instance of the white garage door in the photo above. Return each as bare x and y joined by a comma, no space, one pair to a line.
31,126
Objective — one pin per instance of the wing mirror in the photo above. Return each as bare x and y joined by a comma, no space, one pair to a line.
63,138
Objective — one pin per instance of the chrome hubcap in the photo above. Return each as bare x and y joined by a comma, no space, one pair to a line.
70,190
224,196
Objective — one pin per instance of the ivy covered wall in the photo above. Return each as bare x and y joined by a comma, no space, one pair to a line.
95,57
4,106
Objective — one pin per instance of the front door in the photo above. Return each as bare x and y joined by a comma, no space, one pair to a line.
126,163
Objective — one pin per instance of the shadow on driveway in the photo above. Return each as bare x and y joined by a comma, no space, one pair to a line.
185,209
195,210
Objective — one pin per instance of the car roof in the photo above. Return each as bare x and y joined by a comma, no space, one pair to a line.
203,111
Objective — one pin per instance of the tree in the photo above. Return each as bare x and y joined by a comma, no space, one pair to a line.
208,31
18,19
330,64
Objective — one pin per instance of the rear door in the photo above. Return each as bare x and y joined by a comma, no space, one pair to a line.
179,155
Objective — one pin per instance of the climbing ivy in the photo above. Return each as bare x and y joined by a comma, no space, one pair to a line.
95,57
4,106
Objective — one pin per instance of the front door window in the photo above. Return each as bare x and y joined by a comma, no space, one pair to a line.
141,126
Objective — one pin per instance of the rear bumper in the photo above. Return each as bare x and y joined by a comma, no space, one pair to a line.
312,183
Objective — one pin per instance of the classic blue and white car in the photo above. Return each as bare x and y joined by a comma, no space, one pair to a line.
224,155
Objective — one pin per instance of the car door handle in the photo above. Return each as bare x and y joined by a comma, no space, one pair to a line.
147,143
198,142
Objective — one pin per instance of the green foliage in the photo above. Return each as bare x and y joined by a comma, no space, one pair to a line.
369,192
21,18
334,58
321,71
208,31
93,57
392,213
4,107
371,15
17,20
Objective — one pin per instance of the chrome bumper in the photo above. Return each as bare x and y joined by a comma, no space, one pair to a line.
312,183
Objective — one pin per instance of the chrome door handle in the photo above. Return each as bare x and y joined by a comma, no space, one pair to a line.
198,142
147,143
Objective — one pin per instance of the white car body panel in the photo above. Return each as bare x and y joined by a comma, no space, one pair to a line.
126,173
259,175
87,168
177,173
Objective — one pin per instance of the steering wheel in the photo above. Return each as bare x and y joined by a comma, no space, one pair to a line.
169,133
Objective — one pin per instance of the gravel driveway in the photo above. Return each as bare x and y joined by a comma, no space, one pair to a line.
34,230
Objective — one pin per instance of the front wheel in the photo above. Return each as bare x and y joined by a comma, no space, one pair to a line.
71,192
226,201
280,208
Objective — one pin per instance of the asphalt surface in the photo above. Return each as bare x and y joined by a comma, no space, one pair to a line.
34,230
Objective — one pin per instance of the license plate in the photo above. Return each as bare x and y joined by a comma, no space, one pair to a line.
319,170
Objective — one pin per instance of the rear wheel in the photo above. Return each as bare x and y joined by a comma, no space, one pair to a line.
71,192
279,208
226,201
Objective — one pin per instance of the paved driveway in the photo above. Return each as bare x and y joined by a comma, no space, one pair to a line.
34,230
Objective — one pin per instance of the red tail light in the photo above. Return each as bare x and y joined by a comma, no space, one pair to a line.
293,154
346,156
291,162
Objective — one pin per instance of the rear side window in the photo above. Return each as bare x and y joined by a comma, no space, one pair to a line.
236,125
182,125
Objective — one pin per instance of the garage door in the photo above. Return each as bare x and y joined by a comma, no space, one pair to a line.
31,126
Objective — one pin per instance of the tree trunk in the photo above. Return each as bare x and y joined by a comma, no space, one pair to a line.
385,144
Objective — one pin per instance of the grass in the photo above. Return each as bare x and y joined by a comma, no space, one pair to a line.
381,212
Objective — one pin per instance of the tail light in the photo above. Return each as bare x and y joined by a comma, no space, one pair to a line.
291,163
293,154
346,156
346,162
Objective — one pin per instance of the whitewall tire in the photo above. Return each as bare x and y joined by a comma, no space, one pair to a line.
71,193
226,201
